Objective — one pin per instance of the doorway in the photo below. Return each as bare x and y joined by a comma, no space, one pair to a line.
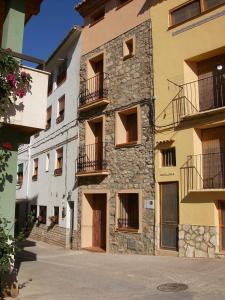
169,215
93,223
222,224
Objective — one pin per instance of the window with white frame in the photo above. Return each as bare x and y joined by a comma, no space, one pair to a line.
59,162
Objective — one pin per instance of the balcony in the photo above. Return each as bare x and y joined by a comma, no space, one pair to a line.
92,160
28,114
200,97
94,92
203,172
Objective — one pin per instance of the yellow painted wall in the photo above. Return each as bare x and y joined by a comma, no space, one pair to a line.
174,59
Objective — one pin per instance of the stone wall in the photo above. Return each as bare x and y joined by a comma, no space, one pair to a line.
49,234
130,167
197,241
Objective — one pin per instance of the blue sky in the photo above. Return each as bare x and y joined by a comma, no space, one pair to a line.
44,32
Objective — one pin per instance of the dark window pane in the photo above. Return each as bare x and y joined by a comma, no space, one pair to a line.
185,12
213,3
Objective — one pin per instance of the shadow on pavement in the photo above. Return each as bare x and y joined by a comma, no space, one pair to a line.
25,255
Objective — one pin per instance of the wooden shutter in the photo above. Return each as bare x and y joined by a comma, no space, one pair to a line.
131,127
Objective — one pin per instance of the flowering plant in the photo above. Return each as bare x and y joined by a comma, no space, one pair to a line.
14,83
53,219
39,219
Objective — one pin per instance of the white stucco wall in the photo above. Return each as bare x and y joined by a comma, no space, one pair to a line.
50,190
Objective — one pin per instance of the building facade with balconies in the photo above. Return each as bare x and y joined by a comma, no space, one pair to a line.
46,188
115,165
189,82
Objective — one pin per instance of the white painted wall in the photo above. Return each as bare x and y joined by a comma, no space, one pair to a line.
51,190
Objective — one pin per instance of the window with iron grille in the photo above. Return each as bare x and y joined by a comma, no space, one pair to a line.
59,162
128,211
168,157
192,9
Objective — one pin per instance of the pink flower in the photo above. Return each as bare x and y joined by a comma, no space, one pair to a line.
21,92
7,146
11,80
8,50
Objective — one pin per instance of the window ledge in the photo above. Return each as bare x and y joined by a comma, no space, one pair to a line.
123,4
129,144
195,17
128,56
127,230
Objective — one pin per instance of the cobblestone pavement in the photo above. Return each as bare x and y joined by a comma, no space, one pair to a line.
53,273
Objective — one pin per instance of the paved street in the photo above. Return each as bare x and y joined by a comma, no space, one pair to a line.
52,273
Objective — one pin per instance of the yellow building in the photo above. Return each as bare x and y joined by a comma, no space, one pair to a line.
189,85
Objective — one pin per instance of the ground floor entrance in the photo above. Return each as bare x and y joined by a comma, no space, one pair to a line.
169,215
93,222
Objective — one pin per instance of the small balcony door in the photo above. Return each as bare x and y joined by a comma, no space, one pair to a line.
98,69
98,127
222,225
211,75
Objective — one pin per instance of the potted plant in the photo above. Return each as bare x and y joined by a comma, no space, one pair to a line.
39,219
53,219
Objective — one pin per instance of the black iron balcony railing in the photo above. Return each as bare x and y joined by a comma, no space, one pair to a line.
92,158
204,171
94,89
201,95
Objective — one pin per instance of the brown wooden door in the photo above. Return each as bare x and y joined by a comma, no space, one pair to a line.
98,69
169,215
222,225
98,145
211,83
213,150
131,127
99,221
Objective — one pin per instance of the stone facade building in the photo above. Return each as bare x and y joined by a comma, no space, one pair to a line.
115,166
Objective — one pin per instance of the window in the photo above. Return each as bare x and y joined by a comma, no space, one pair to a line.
192,9
98,16
20,174
128,48
49,118
127,126
168,157
128,211
35,169
47,162
59,162
56,214
50,84
61,109
42,214
62,72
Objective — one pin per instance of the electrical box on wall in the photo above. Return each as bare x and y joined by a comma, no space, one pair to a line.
150,204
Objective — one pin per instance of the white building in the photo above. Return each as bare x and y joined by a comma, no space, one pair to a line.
46,167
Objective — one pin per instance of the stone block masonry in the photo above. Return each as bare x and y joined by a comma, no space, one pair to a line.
130,167
197,241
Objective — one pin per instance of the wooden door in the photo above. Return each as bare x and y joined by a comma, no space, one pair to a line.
131,127
169,215
222,225
98,69
213,153
211,83
98,145
99,221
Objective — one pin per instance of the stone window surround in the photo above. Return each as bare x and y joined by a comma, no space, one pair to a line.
140,206
117,128
85,192
89,70
88,140
125,54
